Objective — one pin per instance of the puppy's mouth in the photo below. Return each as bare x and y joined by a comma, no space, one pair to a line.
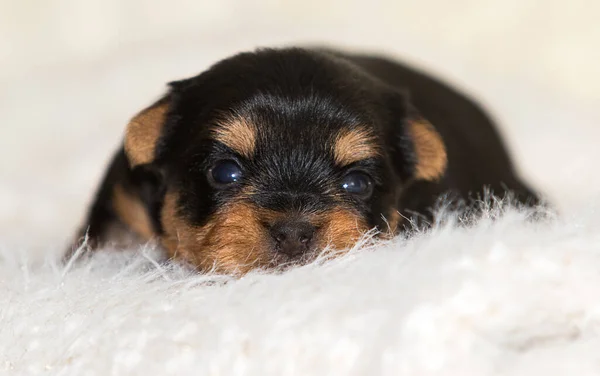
294,239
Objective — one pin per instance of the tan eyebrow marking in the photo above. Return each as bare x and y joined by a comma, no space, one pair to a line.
238,134
354,145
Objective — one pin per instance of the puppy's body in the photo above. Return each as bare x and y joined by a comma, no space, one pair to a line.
269,157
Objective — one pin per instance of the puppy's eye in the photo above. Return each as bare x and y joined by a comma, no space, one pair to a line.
225,172
358,183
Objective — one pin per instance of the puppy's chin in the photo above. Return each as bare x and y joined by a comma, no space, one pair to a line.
234,240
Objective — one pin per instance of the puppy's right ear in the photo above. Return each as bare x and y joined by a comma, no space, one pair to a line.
144,131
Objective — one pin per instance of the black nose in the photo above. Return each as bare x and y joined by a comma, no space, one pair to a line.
292,238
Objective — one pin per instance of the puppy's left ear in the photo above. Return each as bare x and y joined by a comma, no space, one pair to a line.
418,149
144,131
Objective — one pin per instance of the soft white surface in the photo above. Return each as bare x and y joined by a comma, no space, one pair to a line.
508,297
504,298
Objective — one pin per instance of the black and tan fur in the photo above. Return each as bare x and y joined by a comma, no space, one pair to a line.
296,122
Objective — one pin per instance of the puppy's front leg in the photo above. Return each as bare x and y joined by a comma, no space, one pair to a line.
121,207
101,216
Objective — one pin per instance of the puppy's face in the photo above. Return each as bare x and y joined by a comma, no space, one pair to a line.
269,159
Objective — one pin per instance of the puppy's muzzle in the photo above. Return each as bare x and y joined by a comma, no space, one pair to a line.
292,237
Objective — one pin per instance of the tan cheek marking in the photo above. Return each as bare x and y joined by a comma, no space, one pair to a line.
232,241
342,229
143,132
354,145
238,241
430,150
393,221
132,212
235,241
178,234
238,134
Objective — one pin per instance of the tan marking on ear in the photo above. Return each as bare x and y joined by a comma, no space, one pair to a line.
238,134
143,132
354,145
431,154
132,212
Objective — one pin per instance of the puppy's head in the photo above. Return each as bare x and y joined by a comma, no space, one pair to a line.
269,158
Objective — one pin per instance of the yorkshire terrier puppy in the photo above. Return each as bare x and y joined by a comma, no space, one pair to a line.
270,157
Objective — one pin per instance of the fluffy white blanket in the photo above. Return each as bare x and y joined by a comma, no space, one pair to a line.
508,296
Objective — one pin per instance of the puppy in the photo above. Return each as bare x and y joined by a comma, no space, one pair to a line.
270,157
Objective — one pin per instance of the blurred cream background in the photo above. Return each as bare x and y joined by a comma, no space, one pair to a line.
73,71
502,36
